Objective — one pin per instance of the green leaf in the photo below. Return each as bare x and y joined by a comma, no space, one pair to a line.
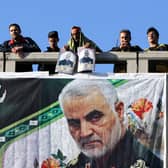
55,156
60,155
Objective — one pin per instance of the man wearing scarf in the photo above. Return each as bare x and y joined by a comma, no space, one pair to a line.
78,39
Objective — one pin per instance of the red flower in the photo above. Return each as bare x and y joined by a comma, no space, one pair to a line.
51,163
141,106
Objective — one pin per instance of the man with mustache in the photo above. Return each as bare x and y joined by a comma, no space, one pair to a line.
124,46
19,45
96,122
78,39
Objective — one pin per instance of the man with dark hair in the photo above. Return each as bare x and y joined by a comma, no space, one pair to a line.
53,39
125,42
153,40
79,40
125,45
152,29
19,45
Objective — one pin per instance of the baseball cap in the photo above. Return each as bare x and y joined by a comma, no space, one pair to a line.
53,34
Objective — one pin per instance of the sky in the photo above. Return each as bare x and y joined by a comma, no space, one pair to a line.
100,20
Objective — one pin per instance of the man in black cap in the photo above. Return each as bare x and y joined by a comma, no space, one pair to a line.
53,40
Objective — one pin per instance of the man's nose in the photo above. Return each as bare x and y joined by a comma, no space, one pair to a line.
86,129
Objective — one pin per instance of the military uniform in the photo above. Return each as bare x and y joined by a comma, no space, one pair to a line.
130,48
121,67
158,66
159,47
128,152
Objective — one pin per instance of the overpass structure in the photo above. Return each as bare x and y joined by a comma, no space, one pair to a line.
141,62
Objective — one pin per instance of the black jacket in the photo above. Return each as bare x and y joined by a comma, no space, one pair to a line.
51,66
28,44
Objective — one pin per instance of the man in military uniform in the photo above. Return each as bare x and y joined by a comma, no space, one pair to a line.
125,46
96,122
153,40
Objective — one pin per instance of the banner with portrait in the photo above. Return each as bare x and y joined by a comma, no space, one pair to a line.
34,132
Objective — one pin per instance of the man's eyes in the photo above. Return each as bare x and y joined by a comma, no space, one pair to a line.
94,116
74,123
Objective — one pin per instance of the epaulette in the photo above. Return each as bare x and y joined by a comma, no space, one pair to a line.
146,49
72,163
162,45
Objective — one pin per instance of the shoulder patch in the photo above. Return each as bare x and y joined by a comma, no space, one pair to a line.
72,162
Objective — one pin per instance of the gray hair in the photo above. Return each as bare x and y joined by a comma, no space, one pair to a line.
84,87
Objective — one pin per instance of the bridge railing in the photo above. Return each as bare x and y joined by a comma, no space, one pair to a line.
141,62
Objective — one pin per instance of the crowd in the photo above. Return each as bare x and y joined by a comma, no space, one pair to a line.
19,44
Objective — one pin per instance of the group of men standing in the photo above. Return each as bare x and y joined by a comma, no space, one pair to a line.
19,44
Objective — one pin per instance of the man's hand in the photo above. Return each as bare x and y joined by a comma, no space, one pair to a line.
87,45
18,50
66,47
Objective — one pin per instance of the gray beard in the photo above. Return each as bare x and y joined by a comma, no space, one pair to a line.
113,140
